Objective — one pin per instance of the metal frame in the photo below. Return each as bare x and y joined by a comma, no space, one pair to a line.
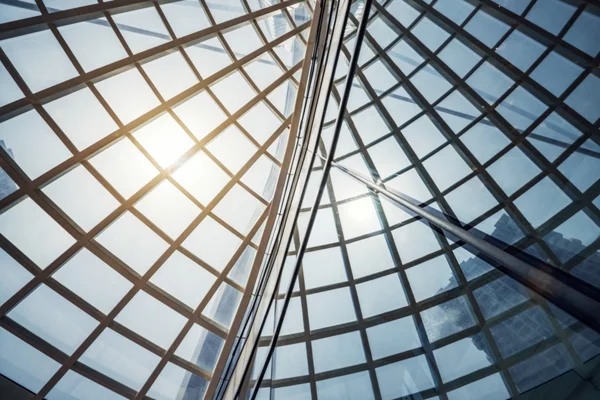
32,188
466,287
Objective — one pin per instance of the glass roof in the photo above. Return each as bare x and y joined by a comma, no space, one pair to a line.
146,164
141,146
485,113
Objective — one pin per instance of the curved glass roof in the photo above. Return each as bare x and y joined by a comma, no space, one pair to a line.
146,164
483,112
141,145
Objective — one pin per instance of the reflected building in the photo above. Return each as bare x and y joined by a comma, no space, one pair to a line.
7,186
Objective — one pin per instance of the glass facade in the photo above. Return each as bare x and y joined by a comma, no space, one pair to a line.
299,199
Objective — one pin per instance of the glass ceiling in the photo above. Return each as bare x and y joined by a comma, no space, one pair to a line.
145,156
485,113
141,145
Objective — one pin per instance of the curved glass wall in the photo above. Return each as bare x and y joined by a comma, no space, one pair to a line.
141,146
484,113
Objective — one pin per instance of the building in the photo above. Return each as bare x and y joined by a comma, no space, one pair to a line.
7,186
269,199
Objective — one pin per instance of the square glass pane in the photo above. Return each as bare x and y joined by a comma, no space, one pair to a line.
151,319
86,38
358,217
171,74
174,380
460,58
81,117
232,148
329,308
462,357
201,177
585,98
323,267
92,280
124,156
32,144
74,386
513,170
184,279
233,91
81,197
223,305
120,359
423,136
133,242
168,208
542,202
212,243
491,387
128,95
393,337
404,377
520,50
185,17
550,15
369,256
164,139
239,209
39,59
142,28
200,114
24,364
34,232
430,278
53,318
338,351
486,28
351,387
430,34
446,167
414,241
200,347
447,318
381,295
14,276
556,73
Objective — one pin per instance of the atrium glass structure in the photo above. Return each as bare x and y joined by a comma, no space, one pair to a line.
235,199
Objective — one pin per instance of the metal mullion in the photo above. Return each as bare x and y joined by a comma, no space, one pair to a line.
262,36
546,168
300,109
496,191
103,143
81,240
198,311
138,214
565,48
352,286
17,107
306,325
59,356
410,154
480,321
519,77
109,318
232,56
311,220
576,302
66,17
198,76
